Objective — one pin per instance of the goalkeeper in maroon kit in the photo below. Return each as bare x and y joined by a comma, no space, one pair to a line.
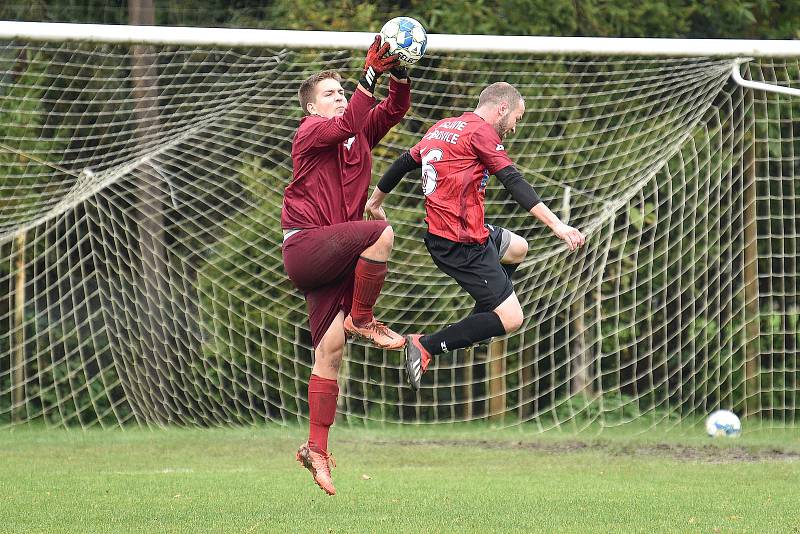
337,259
457,155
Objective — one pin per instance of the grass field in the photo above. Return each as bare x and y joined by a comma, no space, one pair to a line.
398,479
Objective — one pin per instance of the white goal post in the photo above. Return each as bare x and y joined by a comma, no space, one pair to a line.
437,43
141,179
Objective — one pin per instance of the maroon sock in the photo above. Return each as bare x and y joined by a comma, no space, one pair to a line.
322,394
370,275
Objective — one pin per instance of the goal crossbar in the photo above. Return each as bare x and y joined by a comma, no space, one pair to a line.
235,37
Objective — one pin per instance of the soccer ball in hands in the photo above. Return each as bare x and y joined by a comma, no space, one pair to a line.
723,423
406,38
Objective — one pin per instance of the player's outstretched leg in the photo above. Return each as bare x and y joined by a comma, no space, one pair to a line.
468,331
319,463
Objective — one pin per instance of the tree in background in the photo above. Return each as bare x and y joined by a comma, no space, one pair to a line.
760,19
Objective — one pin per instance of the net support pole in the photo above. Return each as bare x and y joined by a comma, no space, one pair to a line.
526,387
750,214
751,279
578,348
759,86
497,381
580,361
18,396
151,218
466,388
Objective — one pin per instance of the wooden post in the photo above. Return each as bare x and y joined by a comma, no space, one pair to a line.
752,328
579,350
497,380
580,361
157,344
469,362
526,383
344,381
18,381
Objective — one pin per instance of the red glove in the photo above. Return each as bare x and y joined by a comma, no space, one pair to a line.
378,59
376,63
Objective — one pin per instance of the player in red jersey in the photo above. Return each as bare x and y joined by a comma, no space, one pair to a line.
337,259
457,155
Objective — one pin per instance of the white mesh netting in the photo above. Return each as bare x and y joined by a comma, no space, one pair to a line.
140,194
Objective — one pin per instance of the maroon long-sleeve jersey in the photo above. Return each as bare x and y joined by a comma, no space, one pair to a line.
332,160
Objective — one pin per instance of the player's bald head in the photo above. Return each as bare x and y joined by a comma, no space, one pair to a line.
499,92
501,105
308,89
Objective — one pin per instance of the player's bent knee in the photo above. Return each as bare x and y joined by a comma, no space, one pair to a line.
523,247
510,313
387,237
382,247
511,317
518,249
513,322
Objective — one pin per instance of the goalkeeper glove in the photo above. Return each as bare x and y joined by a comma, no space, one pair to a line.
376,64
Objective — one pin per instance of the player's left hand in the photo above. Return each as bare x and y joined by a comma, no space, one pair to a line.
373,209
571,236
375,213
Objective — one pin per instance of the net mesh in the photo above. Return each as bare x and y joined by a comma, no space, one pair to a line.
140,196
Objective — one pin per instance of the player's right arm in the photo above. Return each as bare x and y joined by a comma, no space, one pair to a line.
375,64
401,166
573,237
492,154
524,194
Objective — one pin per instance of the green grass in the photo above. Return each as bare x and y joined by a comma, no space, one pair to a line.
427,479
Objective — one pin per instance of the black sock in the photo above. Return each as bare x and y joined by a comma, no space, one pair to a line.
509,268
466,332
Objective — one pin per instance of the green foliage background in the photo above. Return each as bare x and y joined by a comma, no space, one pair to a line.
252,231
759,19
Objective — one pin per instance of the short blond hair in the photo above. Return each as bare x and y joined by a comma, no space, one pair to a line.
307,89
498,92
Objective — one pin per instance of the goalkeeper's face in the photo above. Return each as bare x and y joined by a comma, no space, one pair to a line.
329,100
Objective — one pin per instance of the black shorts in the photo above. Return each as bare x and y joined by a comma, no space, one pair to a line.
475,267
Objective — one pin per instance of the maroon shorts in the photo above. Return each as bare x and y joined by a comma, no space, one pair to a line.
321,263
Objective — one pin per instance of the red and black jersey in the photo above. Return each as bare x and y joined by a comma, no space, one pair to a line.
457,155
332,160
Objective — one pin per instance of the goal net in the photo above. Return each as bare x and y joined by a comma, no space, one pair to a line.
140,241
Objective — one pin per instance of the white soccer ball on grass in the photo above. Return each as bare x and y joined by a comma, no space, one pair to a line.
723,423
